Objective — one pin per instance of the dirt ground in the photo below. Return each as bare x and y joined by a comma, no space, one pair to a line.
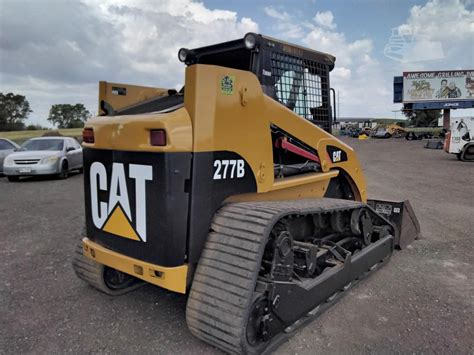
421,302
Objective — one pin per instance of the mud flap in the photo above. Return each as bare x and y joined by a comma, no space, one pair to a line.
402,216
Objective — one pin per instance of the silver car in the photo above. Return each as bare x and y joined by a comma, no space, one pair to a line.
44,156
6,147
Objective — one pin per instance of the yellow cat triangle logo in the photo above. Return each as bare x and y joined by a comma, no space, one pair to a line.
118,224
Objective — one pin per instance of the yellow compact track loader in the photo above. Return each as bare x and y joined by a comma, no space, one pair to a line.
233,190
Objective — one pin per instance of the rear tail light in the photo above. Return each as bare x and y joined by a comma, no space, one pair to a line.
158,137
88,135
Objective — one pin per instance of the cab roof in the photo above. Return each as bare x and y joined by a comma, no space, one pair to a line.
235,50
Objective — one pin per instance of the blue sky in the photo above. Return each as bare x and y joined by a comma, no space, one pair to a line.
56,51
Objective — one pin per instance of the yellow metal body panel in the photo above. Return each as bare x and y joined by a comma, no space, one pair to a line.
291,188
134,95
292,181
132,132
171,278
240,123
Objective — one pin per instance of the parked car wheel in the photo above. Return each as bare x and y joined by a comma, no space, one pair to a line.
13,178
64,170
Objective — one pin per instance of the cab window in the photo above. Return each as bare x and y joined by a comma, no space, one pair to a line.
300,91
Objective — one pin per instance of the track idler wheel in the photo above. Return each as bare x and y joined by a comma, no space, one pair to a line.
361,225
101,277
257,330
117,280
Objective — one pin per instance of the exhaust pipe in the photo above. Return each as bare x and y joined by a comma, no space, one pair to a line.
402,216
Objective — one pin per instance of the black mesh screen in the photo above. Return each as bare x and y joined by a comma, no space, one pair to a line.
302,86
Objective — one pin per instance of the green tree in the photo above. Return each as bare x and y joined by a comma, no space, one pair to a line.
422,118
14,110
34,127
68,116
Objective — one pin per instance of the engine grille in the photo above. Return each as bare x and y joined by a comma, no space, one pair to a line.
27,161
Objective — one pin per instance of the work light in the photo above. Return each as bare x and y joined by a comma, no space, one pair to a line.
183,54
250,40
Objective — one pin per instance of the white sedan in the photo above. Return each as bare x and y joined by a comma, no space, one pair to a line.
6,147
44,156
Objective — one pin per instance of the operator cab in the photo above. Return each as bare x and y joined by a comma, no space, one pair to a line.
295,76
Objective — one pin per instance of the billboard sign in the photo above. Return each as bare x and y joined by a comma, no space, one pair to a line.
441,86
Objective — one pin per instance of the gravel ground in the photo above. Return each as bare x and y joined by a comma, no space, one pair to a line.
421,302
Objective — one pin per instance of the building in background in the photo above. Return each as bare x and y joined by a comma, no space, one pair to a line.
435,90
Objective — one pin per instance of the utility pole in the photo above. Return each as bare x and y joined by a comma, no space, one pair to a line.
446,118
338,105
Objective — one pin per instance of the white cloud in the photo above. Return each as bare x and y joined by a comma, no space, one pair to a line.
357,74
47,58
443,30
325,19
276,14
285,26
341,73
442,20
335,43
153,32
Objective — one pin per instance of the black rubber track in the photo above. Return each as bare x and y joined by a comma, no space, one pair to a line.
93,273
223,287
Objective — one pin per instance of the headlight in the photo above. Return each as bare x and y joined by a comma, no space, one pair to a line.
8,161
49,160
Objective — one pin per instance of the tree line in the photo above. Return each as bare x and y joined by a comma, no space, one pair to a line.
15,109
422,118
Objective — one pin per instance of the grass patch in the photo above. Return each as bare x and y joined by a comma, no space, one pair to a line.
433,130
21,136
